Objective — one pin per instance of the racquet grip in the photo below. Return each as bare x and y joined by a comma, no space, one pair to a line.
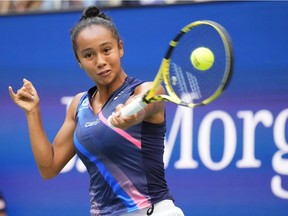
133,107
130,109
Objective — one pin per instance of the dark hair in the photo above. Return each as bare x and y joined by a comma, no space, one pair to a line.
92,16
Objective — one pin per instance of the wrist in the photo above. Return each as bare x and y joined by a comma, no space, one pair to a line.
34,111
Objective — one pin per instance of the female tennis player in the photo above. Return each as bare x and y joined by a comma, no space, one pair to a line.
125,162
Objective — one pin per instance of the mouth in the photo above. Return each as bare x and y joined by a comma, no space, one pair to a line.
104,73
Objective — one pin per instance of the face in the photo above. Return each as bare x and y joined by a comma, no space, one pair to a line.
99,55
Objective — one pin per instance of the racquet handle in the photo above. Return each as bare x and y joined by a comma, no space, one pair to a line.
134,107
130,109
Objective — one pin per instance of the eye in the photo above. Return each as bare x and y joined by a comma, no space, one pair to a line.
88,55
107,50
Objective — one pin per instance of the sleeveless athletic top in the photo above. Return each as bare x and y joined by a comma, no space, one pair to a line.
125,166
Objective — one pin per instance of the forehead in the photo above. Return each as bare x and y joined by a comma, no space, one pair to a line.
94,32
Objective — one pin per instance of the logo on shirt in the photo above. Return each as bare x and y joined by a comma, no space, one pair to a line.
85,103
92,123
115,98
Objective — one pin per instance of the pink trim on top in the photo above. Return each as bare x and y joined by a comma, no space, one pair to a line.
125,183
120,131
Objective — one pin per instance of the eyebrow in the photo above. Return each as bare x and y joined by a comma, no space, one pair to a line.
106,43
85,50
103,44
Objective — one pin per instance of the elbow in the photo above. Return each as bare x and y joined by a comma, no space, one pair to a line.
46,177
47,174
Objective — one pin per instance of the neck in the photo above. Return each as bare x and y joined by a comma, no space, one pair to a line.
104,92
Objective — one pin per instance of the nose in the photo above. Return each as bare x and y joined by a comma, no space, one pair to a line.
100,61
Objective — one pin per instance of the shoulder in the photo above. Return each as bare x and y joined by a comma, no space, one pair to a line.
74,103
77,98
133,82
145,86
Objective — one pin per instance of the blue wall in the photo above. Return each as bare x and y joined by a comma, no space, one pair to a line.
241,169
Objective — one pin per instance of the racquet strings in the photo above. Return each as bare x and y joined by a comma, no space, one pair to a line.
193,86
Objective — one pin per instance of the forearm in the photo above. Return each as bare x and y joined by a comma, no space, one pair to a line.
41,146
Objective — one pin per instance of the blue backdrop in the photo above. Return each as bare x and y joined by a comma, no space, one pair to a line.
227,158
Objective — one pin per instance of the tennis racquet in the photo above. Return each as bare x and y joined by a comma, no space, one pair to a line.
186,85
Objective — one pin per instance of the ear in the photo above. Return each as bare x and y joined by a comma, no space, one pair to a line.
121,49
80,65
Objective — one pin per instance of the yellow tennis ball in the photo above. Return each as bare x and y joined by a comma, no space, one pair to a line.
202,58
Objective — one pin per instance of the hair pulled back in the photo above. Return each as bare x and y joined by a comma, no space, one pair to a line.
92,16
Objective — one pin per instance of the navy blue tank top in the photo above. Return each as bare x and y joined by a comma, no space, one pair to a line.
125,166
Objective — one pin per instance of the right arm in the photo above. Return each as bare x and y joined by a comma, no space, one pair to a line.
50,157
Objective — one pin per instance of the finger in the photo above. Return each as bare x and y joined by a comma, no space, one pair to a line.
25,89
115,114
23,93
26,81
112,119
28,84
116,118
111,122
119,107
11,92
